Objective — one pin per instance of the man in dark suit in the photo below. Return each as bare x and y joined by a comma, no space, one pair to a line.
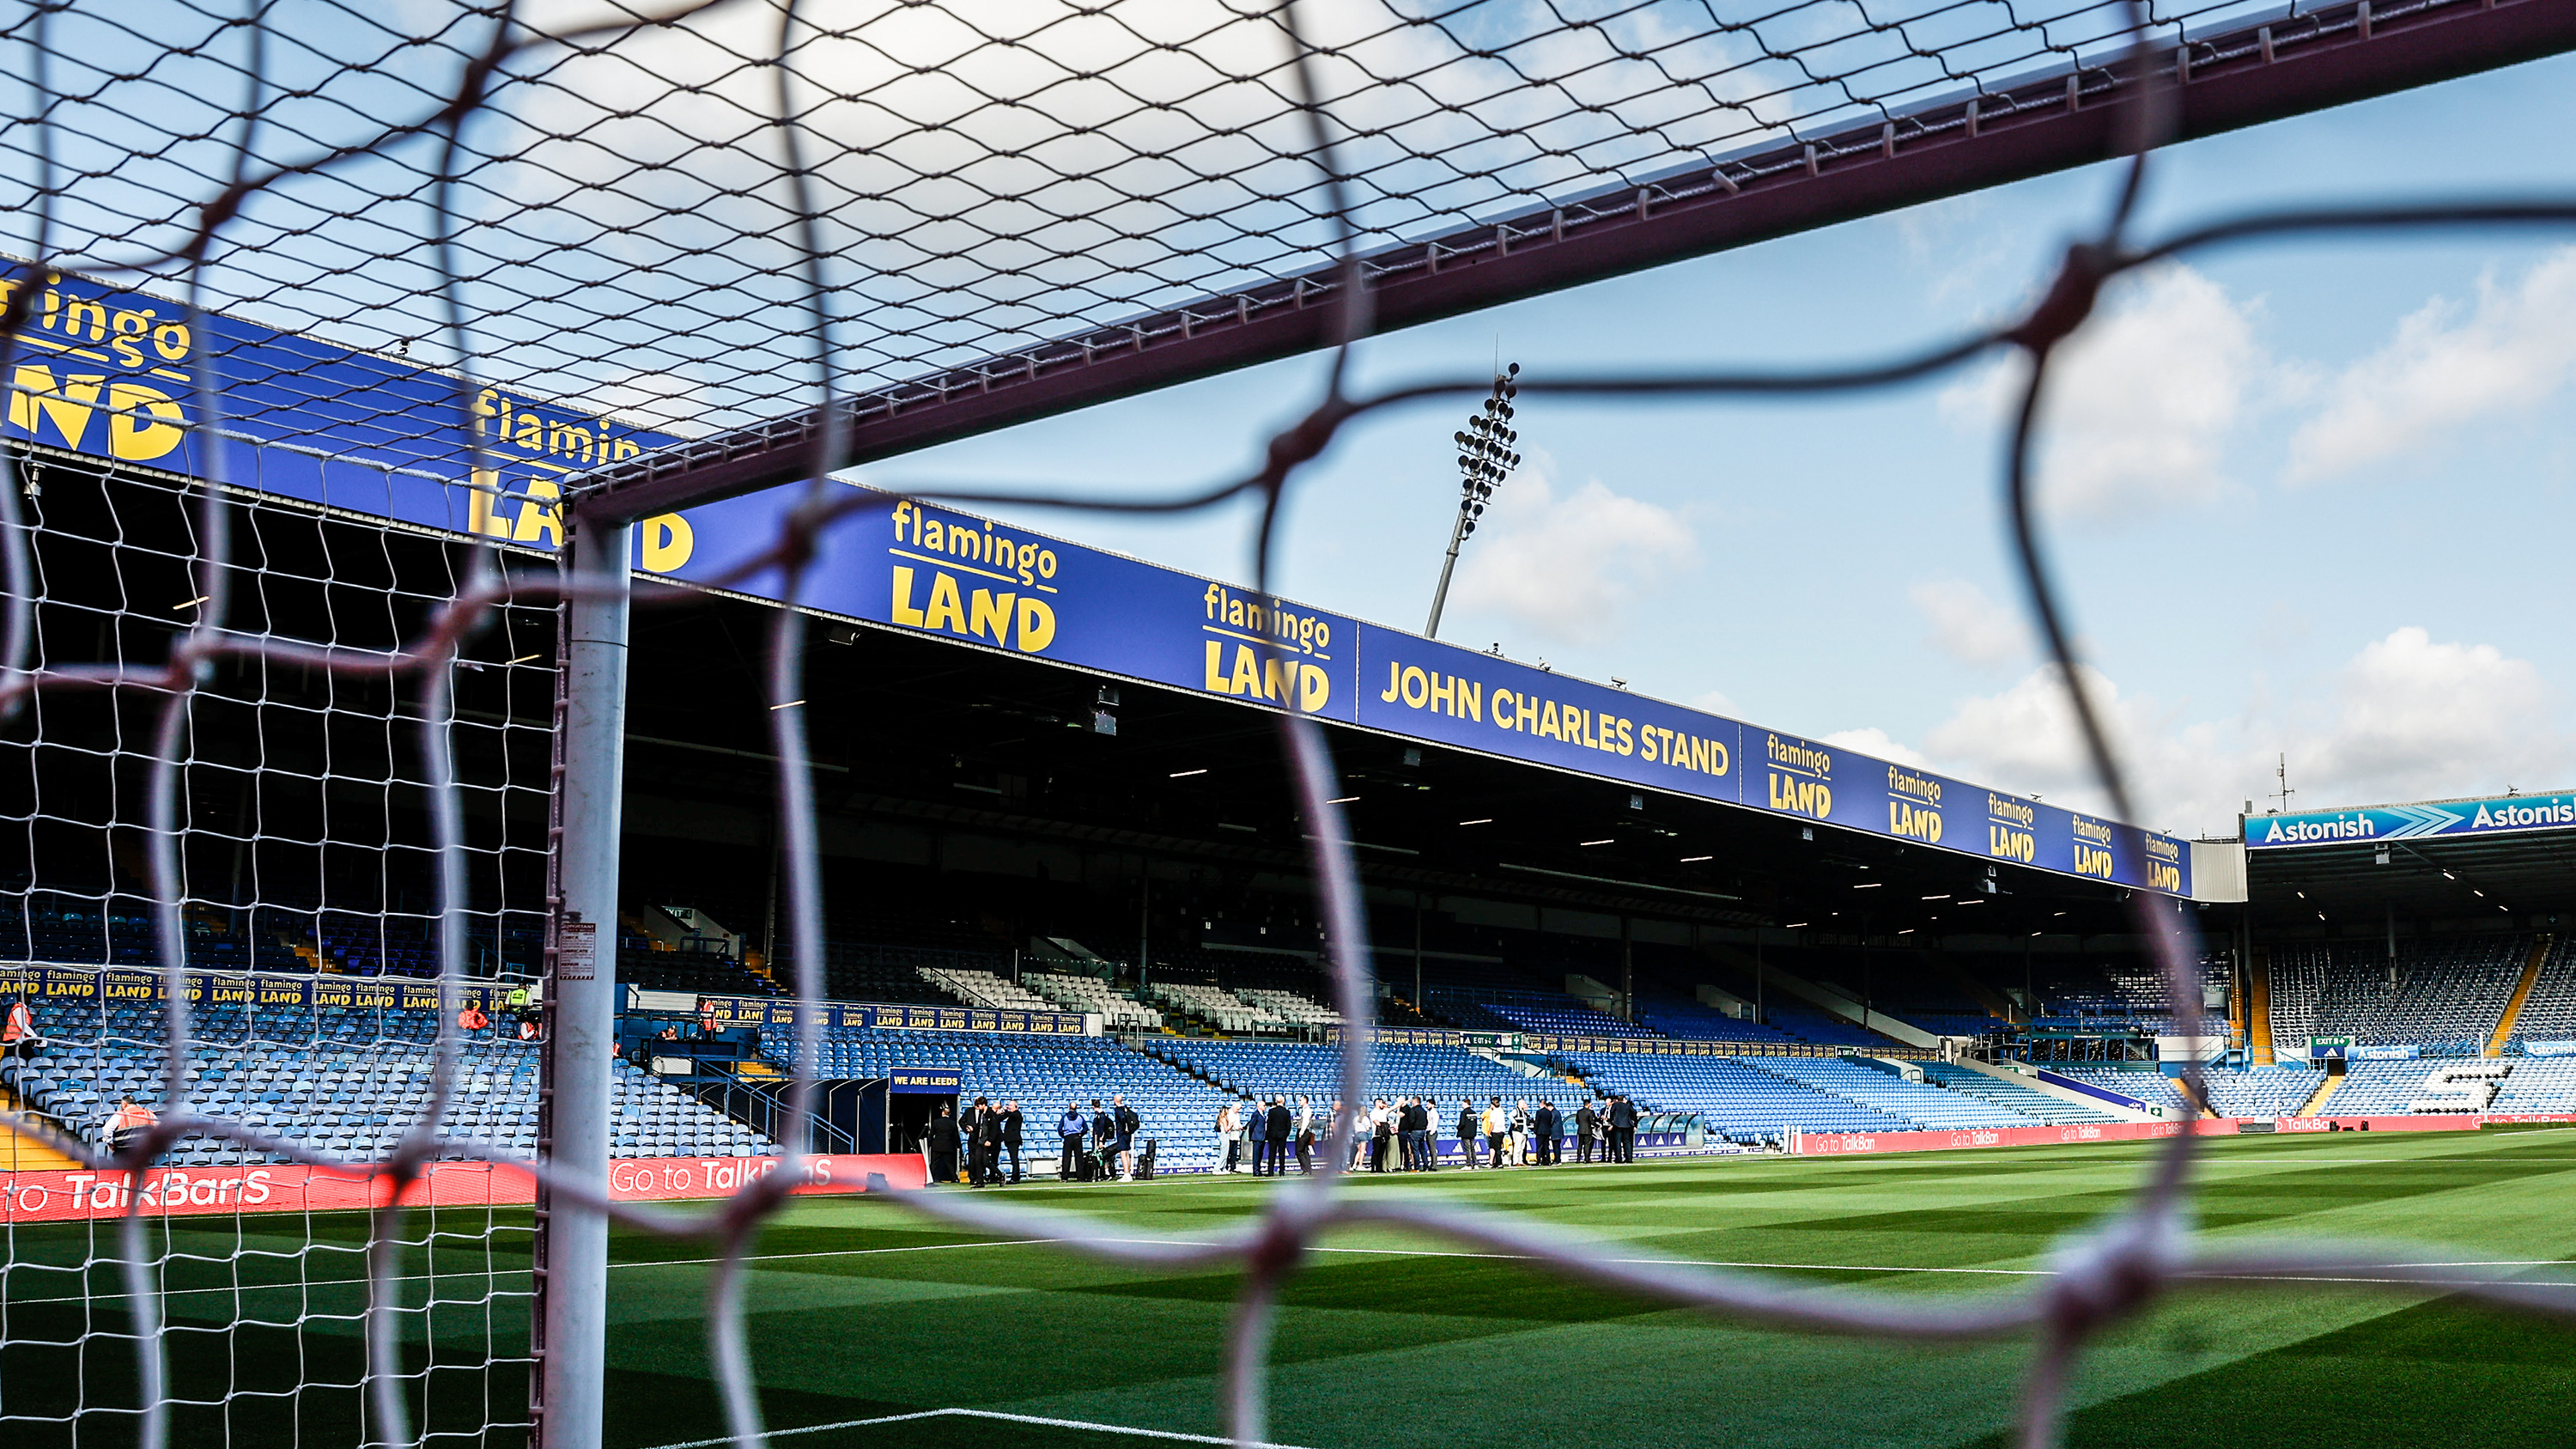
1011,1139
1623,1130
1544,1126
1587,1123
1104,1139
984,1166
1275,1128
941,1146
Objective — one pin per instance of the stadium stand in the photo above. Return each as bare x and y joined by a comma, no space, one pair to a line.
1214,1005
985,988
2537,1084
2035,1105
2448,995
1733,1097
1694,1021
1447,1073
1290,1007
2549,1012
1041,1073
343,1082
1118,1011
2263,1092
702,972
1924,1104
2152,1088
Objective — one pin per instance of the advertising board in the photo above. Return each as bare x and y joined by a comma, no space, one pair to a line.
123,375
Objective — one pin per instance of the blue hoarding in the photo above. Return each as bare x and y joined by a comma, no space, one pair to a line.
112,374
2441,819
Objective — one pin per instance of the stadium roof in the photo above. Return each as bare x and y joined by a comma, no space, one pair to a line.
2467,861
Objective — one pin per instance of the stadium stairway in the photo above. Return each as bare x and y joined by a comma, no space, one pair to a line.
2258,1010
2521,995
2316,1103
20,1152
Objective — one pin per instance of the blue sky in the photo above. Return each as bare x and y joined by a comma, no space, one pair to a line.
2308,496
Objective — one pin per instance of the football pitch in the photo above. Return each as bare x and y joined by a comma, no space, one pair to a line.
865,1317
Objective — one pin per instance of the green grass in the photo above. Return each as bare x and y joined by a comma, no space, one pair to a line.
862,1311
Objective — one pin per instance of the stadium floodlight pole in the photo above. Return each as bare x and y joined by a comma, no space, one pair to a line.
571,1318
1484,459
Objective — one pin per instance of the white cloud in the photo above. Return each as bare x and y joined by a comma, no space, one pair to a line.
2404,719
2414,718
1569,568
2442,370
2140,402
1875,741
1968,625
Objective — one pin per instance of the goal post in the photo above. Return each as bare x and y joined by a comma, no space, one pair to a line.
571,1263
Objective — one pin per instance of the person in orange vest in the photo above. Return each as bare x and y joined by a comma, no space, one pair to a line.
18,1036
472,1018
131,1117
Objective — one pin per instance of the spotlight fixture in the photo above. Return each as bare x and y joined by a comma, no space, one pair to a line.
1485,458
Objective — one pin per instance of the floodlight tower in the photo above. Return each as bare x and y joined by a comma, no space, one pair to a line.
1485,457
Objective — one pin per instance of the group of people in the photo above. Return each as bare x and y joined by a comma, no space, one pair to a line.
1259,1135
986,1132
1099,1144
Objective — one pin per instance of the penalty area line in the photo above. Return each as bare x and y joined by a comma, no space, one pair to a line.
1085,1425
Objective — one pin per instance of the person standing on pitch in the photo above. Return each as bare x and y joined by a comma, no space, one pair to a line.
1623,1129
1129,1124
1428,1115
942,1146
1498,1125
1468,1124
1011,1139
1070,1127
1301,1130
1586,1121
1543,1125
1281,1125
1226,1137
1104,1140
1259,1132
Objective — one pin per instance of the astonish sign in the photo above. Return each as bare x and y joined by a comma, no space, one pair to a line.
2436,819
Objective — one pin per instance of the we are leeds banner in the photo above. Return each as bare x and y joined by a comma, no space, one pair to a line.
112,374
2431,820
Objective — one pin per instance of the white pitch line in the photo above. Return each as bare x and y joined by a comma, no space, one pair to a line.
1083,1424
1889,1268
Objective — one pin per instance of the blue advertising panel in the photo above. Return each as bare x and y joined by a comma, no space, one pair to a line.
930,570
114,375
943,1081
2444,819
59,984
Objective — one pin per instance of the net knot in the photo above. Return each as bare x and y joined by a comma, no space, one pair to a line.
2069,301
1281,1246
2104,1274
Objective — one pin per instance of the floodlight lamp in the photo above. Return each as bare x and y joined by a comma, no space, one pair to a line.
1514,371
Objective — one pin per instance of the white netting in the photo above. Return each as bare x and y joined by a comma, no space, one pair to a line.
773,208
